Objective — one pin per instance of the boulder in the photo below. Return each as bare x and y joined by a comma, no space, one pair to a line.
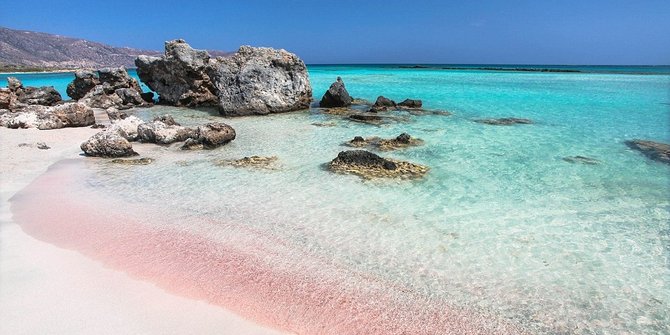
97,98
74,114
180,76
108,144
369,165
382,104
167,119
127,127
84,81
336,96
411,103
364,158
261,81
653,150
506,121
114,78
215,134
45,96
251,81
7,98
162,133
129,96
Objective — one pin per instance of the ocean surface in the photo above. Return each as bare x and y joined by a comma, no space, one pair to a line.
502,234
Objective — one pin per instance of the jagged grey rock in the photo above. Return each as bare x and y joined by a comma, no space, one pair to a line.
84,81
110,87
162,133
251,81
336,96
107,144
19,96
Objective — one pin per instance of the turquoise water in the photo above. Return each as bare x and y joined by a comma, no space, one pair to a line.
501,225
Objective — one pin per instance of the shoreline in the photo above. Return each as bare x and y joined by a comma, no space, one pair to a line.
78,295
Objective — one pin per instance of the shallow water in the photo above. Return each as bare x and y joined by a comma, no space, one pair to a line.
501,228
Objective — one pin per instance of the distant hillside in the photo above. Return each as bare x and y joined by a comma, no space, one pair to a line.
27,50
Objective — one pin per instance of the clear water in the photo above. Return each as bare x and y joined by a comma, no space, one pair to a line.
501,225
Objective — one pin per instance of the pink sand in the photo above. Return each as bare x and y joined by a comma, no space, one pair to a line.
310,297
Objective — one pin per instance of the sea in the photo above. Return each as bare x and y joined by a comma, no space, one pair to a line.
506,233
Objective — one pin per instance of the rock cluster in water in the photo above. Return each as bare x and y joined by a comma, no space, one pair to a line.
109,87
258,162
506,121
115,140
653,150
369,165
401,141
251,81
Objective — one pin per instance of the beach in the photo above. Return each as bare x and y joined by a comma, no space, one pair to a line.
48,289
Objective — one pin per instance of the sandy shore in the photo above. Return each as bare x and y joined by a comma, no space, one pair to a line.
48,290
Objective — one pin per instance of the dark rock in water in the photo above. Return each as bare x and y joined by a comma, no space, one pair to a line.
581,160
507,121
261,81
411,103
653,150
365,158
358,139
115,114
84,81
367,118
167,119
180,76
258,162
368,165
107,144
136,161
336,96
215,134
148,97
403,138
384,102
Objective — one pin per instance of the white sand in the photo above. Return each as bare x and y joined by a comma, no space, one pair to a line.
48,290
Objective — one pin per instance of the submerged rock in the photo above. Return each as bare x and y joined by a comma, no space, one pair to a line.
251,81
107,144
367,118
135,161
403,140
653,150
506,121
581,160
369,165
336,96
257,162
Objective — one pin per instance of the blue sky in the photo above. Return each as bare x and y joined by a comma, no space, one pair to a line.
346,31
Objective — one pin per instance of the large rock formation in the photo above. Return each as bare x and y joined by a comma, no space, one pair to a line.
108,143
16,96
251,81
336,96
109,87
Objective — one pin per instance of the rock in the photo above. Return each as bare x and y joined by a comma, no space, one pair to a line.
358,139
384,102
653,150
114,114
368,165
127,127
261,81
134,161
74,114
43,146
107,144
7,98
129,96
167,119
367,118
215,134
403,140
336,96
98,126
84,81
507,121
115,78
411,103
45,96
97,98
581,160
180,77
257,162
14,84
162,133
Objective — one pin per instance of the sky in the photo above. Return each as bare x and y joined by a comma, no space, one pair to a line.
614,32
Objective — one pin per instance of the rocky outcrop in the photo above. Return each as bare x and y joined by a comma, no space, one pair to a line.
16,96
109,87
215,134
127,127
251,81
411,103
70,114
382,104
369,165
653,150
180,76
336,96
107,144
506,121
